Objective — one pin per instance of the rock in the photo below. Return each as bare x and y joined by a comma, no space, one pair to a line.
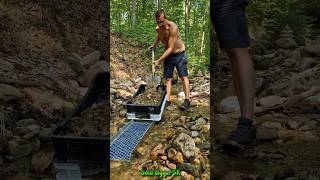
123,113
313,100
19,150
155,151
206,128
26,122
186,176
293,124
312,50
8,93
286,40
271,101
267,133
90,59
305,63
194,134
199,124
203,162
171,166
175,156
229,104
169,133
29,135
271,125
197,140
185,144
189,168
34,128
164,157
179,158
40,162
308,125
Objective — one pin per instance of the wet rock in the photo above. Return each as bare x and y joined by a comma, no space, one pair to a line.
312,50
264,133
199,124
185,144
40,162
271,101
229,104
194,134
8,93
26,122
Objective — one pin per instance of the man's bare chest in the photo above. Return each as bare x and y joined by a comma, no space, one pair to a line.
164,35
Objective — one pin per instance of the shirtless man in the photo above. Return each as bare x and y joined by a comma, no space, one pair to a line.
168,34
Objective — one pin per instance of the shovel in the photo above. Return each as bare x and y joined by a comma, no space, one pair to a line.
153,80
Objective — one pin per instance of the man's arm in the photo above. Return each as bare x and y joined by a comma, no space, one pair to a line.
173,36
156,42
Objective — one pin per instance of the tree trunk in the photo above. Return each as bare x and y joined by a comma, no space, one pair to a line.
133,14
186,9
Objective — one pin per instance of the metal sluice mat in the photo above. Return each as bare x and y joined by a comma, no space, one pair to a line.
125,142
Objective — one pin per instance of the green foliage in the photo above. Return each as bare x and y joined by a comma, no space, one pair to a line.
274,15
144,30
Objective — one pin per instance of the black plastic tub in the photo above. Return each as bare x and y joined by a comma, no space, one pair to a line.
70,148
145,109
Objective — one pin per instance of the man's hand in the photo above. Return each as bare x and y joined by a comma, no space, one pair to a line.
151,47
157,62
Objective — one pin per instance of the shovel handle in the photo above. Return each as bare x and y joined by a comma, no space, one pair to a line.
153,66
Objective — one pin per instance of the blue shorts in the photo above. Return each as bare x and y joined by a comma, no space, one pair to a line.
229,19
177,60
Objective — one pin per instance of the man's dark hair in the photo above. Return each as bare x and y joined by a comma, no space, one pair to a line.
159,12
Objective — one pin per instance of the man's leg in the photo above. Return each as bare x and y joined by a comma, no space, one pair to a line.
169,85
244,79
186,86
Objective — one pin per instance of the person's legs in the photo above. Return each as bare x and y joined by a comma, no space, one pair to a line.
229,20
169,85
183,74
244,79
185,85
